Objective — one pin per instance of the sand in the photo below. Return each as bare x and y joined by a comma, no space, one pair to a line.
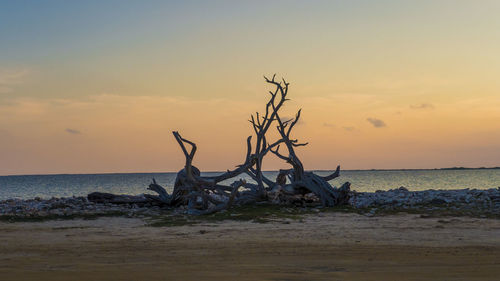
325,246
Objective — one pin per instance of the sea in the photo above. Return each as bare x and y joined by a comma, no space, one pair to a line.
67,185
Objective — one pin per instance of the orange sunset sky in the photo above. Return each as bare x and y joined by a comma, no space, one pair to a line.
98,86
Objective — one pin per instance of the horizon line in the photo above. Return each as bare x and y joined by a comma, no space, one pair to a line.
314,170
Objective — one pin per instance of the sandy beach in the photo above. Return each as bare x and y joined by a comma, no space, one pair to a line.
324,246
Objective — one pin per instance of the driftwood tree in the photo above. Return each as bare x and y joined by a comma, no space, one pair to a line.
204,195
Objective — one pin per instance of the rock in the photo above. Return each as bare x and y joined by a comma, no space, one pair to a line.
402,188
437,201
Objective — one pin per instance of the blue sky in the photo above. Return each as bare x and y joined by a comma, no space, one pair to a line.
103,68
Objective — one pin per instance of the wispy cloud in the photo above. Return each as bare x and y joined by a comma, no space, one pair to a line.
9,78
329,125
291,119
349,128
377,123
422,106
72,131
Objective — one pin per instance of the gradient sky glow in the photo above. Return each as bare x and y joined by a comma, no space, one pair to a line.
98,86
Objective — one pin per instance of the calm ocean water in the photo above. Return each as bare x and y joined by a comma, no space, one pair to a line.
46,186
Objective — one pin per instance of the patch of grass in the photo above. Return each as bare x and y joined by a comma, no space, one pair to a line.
13,219
69,227
436,211
170,220
345,209
262,213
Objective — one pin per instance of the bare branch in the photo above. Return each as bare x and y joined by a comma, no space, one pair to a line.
189,156
179,140
297,117
249,148
266,180
333,175
276,152
300,144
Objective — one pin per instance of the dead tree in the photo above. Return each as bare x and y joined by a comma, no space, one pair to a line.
204,195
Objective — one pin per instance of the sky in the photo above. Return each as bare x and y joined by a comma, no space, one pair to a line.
98,86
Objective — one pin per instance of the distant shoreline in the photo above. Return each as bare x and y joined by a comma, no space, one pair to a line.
353,170
427,169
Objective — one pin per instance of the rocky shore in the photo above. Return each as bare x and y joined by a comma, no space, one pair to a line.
468,202
71,207
471,202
